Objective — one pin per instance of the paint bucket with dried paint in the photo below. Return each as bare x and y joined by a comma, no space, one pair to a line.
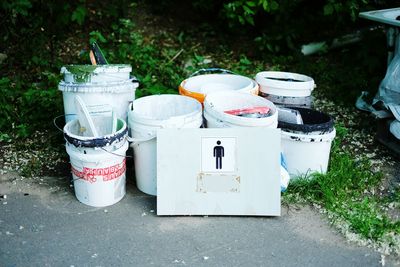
286,88
307,146
198,86
97,85
217,103
148,114
98,164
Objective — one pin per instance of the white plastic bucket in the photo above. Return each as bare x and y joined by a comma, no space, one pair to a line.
199,86
285,83
148,114
98,164
116,94
96,73
217,103
97,85
307,146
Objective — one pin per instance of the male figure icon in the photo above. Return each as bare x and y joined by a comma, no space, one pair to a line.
218,155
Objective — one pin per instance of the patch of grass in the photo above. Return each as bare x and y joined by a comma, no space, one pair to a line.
347,192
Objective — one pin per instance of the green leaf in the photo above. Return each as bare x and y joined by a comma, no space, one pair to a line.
265,5
79,15
96,36
250,20
247,10
21,6
328,9
274,5
250,3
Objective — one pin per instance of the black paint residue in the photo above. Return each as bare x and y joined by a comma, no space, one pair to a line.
313,121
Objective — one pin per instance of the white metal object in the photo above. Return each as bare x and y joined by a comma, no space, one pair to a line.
148,114
388,17
285,83
187,183
385,16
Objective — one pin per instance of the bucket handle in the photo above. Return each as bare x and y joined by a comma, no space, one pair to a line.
60,116
210,71
136,141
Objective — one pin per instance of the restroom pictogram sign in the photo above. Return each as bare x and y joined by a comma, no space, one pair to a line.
218,154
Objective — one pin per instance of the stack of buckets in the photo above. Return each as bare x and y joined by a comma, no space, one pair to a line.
306,145
98,163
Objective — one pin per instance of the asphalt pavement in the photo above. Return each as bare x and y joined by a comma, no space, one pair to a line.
43,224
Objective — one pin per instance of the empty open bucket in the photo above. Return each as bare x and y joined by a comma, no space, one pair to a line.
286,88
97,164
97,85
201,85
148,114
307,146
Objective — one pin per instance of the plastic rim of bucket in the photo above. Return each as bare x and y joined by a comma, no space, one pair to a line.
310,138
108,87
95,73
193,86
213,100
314,121
270,84
92,142
96,155
135,112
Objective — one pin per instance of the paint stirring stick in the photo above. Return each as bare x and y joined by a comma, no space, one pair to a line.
92,59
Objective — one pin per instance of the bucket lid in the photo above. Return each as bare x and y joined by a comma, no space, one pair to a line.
92,142
313,121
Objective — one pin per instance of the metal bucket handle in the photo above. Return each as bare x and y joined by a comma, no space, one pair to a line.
135,141
211,71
